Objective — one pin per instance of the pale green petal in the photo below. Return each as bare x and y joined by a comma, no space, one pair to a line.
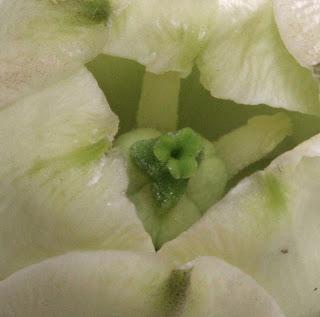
253,141
132,284
43,41
164,225
59,191
268,226
299,25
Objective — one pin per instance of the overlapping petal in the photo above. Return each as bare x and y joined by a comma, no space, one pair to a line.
132,284
268,225
59,191
235,44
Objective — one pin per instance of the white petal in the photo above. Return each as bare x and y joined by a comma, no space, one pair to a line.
246,61
43,42
59,191
268,226
235,44
132,284
299,25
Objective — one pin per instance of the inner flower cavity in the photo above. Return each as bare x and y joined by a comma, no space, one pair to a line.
176,175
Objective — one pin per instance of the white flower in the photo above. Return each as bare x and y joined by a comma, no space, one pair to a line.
82,218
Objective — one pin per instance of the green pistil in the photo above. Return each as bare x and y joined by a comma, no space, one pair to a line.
170,161
179,152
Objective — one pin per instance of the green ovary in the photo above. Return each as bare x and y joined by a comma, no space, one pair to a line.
169,161
168,174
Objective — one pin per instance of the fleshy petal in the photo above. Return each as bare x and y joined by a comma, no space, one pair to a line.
235,44
59,191
247,62
268,225
45,41
299,25
132,284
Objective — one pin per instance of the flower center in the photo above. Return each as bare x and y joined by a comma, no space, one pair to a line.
175,176
176,153
169,160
